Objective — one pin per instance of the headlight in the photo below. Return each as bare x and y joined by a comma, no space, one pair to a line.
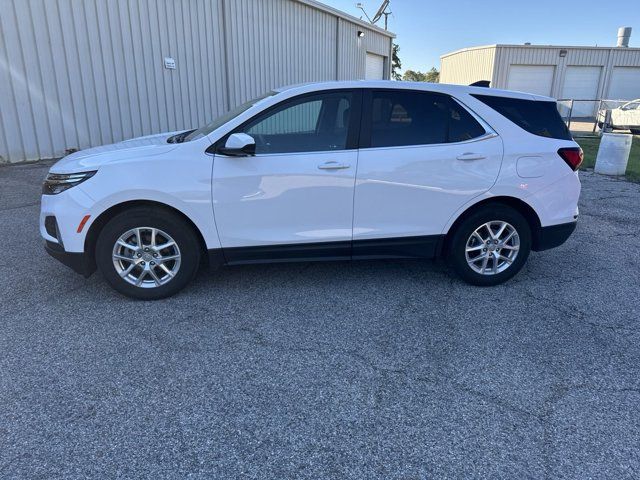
59,182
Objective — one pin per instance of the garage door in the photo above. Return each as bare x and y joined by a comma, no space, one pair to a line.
625,83
375,67
536,79
581,83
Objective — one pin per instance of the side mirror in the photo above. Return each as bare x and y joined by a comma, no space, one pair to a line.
239,145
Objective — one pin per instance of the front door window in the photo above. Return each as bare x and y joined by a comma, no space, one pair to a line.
315,123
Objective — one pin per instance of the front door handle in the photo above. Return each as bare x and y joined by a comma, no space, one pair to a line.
333,166
471,156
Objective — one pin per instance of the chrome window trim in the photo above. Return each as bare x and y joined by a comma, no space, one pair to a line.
482,138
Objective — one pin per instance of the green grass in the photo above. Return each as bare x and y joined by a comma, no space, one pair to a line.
590,147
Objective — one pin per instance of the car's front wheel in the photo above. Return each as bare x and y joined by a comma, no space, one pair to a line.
147,253
491,245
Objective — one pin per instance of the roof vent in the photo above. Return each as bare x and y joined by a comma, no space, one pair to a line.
624,34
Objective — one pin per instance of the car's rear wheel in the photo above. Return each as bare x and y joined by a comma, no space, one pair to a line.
635,131
147,253
490,246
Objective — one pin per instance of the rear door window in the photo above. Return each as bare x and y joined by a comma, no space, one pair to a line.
404,117
538,117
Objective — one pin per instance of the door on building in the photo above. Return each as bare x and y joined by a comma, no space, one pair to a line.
298,188
374,67
625,83
536,79
581,83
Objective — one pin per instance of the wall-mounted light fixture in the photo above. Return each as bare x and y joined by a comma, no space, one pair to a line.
563,53
360,34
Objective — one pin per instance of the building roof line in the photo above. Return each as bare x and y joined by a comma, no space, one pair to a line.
558,47
575,47
340,14
469,49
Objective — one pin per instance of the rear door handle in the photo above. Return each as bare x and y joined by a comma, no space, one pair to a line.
471,156
333,166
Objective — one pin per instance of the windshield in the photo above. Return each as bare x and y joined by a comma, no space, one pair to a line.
230,115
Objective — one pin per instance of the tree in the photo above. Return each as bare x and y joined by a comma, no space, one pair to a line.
432,76
396,63
414,76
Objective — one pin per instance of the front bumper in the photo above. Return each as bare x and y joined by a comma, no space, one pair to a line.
68,208
553,236
77,261
60,216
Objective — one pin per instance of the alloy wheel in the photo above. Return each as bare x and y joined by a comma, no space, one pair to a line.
146,257
492,248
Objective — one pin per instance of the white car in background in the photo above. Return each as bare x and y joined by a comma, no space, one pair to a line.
329,171
625,117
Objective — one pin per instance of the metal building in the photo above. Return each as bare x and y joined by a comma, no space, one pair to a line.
580,73
81,73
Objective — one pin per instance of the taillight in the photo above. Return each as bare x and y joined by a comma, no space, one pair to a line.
573,157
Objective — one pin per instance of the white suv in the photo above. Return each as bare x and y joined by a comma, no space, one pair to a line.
340,170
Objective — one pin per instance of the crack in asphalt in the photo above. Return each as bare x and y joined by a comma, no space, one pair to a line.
17,207
559,391
258,339
578,314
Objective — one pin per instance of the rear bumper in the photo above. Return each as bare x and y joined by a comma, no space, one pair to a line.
553,236
78,262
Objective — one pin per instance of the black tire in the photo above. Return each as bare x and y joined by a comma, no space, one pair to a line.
175,226
458,244
635,131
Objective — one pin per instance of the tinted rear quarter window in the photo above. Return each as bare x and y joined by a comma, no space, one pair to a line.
538,117
402,118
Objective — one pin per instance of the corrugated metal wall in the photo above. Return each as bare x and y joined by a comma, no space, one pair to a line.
352,50
276,43
607,58
468,66
494,62
80,73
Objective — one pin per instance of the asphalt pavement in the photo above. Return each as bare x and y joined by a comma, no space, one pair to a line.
388,369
